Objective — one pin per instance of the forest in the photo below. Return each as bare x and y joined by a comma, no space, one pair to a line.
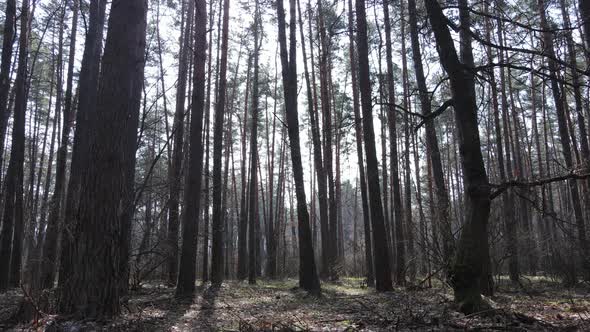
294,165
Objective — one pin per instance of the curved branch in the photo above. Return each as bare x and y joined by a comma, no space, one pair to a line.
430,116
502,187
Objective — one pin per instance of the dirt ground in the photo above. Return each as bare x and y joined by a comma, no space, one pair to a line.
539,305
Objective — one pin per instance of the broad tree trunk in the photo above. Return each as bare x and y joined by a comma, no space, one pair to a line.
7,47
473,245
93,289
381,254
13,217
88,87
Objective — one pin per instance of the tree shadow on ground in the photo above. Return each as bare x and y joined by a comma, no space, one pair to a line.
279,305
157,314
206,318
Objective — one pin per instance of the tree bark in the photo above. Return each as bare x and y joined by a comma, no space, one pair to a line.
565,139
472,250
13,217
7,47
88,87
505,167
408,221
584,7
178,141
400,256
188,254
381,254
217,227
579,106
50,240
308,278
324,67
253,199
243,217
93,289
442,209
358,128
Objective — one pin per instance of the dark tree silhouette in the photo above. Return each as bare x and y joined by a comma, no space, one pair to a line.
380,248
472,249
308,278
93,288
192,189
13,217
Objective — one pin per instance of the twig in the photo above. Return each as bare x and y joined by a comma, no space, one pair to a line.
29,298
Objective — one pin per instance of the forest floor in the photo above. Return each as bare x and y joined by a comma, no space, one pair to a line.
539,305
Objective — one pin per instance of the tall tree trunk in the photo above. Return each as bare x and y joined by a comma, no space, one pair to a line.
579,106
93,289
207,174
206,199
381,254
7,47
505,167
243,217
419,200
227,222
178,141
36,236
392,125
359,150
472,250
324,66
13,217
308,278
188,254
544,222
88,87
565,138
49,171
253,199
217,227
584,7
407,176
322,179
442,204
50,240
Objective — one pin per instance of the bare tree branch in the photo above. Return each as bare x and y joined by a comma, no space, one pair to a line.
502,187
